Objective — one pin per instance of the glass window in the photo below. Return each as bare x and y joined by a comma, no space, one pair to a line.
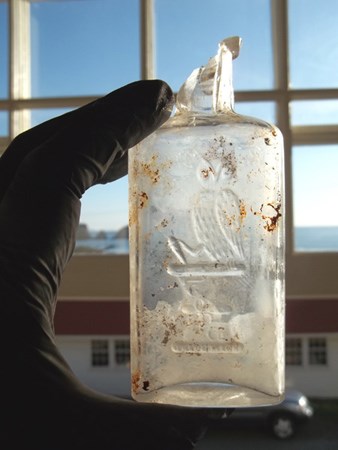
314,112
317,351
293,352
313,42
3,123
316,239
81,47
3,50
106,204
122,352
262,110
187,34
104,210
100,352
315,190
41,115
90,47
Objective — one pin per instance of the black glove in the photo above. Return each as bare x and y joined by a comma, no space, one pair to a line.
43,174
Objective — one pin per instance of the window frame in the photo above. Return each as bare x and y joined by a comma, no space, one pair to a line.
100,353
297,355
109,352
315,351
124,352
305,340
308,274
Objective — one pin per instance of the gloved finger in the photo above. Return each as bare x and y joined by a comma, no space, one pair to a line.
114,123
130,113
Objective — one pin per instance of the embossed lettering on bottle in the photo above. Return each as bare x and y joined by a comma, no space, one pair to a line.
207,251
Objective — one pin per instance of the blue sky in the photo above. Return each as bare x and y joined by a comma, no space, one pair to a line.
90,47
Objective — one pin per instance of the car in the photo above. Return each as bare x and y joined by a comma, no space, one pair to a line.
281,420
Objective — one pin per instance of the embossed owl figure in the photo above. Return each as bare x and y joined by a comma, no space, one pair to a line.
213,270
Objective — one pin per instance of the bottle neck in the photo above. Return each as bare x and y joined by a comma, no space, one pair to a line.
223,91
209,89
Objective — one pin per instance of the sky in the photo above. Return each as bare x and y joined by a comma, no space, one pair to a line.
90,47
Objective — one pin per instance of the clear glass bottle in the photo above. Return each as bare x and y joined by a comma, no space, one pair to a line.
207,251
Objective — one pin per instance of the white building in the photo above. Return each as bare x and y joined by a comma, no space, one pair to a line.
93,334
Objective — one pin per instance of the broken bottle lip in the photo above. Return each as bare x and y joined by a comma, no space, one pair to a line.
209,89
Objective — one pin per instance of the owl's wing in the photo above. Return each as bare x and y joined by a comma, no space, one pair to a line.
206,227
229,220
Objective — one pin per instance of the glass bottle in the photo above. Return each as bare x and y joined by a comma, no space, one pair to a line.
207,251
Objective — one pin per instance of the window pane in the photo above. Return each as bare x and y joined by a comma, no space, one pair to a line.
315,190
104,215
105,207
314,112
313,43
188,33
314,239
100,352
104,210
122,352
262,110
3,123
293,352
83,47
41,115
3,51
317,351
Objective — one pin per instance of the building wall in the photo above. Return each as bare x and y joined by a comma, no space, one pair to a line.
111,379
94,301
78,322
96,276
316,381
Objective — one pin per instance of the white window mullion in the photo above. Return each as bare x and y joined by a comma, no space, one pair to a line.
147,39
315,135
19,64
279,14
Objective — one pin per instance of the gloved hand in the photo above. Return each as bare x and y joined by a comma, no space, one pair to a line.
43,174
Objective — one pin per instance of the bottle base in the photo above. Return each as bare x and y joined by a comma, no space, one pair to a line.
213,395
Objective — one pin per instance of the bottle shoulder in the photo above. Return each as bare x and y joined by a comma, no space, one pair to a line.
229,124
228,120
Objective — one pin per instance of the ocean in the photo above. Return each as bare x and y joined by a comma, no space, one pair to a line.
306,239
110,245
316,239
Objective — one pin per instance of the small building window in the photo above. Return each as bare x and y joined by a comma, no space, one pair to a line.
100,352
293,352
122,352
317,351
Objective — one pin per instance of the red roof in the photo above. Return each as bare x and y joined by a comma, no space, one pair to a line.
312,316
111,317
92,317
